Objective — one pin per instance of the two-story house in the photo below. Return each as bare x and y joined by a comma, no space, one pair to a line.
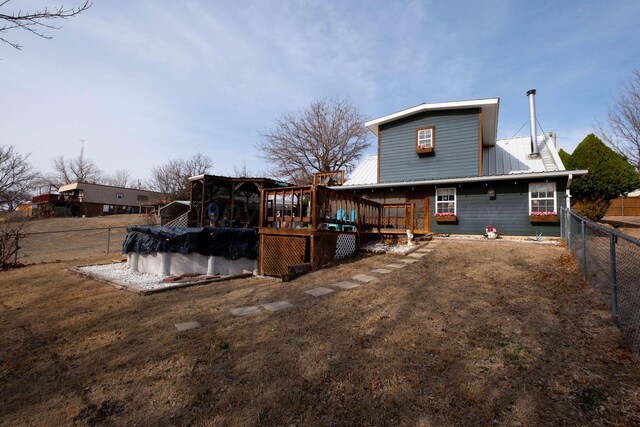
446,160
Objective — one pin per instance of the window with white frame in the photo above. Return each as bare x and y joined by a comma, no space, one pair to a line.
446,200
542,197
425,139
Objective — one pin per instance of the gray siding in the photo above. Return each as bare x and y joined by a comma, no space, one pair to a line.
508,212
456,147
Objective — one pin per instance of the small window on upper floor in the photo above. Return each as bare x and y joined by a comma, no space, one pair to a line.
119,196
425,139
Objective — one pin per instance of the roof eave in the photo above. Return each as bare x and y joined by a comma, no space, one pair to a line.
525,175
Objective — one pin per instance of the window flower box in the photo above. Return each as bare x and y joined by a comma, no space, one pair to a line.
443,218
549,217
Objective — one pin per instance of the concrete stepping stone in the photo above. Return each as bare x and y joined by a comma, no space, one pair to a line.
363,278
425,250
316,292
395,265
187,326
346,285
408,261
381,271
245,311
417,255
278,305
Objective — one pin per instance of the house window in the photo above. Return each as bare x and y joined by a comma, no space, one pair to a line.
119,196
542,197
425,139
446,200
142,198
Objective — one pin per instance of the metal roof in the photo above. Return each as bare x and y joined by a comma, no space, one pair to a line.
365,173
511,156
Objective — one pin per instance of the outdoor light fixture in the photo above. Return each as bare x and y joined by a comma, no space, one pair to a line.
492,193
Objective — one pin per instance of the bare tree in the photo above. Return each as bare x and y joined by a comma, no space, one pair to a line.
245,172
120,178
11,234
35,21
16,178
326,136
78,169
622,131
172,178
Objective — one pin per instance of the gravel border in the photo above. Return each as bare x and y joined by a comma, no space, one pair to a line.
118,275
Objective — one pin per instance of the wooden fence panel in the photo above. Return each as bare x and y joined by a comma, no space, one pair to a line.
627,206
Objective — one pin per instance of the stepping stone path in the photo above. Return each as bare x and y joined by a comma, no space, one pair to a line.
396,265
364,278
278,305
417,255
187,326
316,292
245,311
346,285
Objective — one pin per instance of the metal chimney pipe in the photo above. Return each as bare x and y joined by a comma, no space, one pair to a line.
532,122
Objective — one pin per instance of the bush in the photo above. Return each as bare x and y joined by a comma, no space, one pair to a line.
610,175
595,208
11,232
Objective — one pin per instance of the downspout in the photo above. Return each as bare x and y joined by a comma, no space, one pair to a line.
568,191
533,123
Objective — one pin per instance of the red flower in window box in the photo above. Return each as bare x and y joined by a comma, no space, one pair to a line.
543,217
444,217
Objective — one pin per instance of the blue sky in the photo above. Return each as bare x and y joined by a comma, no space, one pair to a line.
143,82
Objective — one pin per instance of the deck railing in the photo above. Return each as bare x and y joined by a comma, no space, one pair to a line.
398,216
322,208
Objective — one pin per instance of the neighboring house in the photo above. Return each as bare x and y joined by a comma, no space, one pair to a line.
446,160
90,199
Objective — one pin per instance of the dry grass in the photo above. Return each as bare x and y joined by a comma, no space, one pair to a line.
477,333
633,232
65,239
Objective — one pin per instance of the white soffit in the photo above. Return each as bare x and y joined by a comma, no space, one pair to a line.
70,187
489,107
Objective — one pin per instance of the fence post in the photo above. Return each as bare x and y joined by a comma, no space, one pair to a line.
562,223
569,218
584,249
614,280
108,238
15,255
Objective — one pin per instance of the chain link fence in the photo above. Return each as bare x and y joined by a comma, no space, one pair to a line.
610,262
68,245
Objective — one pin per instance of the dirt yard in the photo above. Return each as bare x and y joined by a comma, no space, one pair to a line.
476,333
